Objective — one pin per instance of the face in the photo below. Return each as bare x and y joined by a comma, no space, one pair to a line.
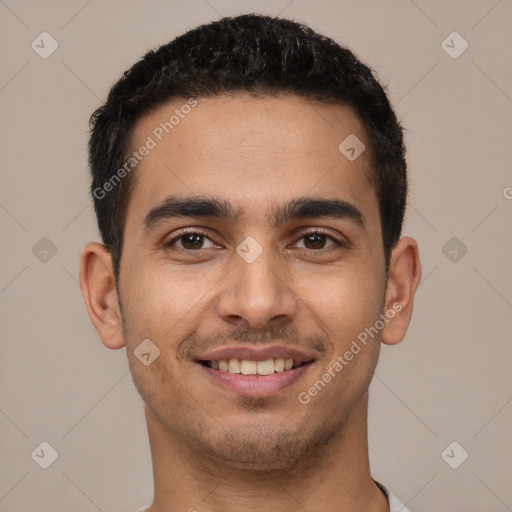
281,259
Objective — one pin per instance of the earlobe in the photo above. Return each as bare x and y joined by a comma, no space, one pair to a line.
403,279
97,283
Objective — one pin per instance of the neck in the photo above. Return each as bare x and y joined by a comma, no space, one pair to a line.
334,479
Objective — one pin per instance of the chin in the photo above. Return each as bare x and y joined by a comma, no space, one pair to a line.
271,450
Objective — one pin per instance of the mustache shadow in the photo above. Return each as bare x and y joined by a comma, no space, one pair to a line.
284,335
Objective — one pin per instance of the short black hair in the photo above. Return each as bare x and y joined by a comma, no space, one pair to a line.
255,54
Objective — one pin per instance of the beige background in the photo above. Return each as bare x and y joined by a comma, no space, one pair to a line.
450,380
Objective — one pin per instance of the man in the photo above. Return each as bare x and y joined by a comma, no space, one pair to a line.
249,182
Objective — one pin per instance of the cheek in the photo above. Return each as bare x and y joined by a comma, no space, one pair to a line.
160,387
349,303
156,300
157,306
346,300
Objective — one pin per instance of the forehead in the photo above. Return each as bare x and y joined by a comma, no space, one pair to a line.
250,150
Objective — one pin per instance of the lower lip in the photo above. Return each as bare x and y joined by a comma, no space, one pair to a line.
256,385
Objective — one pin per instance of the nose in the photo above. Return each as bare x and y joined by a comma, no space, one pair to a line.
257,293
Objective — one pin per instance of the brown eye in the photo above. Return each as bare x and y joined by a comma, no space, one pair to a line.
318,240
190,241
315,241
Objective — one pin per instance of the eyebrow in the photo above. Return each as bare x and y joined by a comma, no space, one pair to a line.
211,207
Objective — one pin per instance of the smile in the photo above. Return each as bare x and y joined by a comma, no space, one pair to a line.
255,371
251,378
248,367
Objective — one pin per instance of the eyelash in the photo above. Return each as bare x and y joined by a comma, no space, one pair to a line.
199,231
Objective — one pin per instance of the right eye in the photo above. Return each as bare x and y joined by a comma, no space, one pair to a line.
190,241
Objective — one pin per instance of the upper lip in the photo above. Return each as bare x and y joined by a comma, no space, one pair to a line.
257,354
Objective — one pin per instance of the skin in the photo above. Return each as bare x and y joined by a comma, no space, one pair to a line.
212,449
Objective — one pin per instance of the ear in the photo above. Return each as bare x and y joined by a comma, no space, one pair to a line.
99,291
403,279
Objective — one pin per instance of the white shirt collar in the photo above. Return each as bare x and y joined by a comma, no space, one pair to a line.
395,504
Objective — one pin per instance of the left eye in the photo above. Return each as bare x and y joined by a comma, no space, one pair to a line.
317,240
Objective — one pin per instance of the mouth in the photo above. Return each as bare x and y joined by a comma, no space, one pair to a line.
255,373
259,368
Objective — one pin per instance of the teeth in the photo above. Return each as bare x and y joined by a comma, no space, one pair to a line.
279,364
266,367
246,367
234,366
